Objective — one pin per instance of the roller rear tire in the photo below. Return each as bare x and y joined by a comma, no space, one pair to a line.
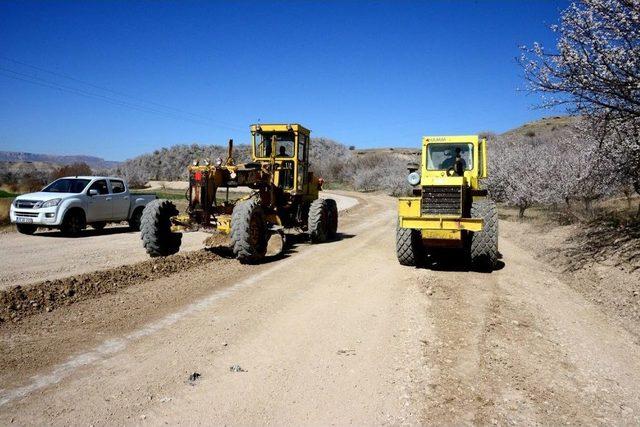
483,250
408,246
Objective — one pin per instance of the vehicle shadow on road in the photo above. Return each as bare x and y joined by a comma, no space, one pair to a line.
87,233
455,261
291,245
296,240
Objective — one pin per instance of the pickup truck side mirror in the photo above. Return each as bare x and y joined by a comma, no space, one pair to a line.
93,192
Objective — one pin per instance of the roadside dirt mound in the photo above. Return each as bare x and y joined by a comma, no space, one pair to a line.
20,301
611,241
600,260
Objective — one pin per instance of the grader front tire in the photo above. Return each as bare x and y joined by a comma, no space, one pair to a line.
248,232
483,249
408,246
155,229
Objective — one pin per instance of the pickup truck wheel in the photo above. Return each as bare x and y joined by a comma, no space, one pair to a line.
73,223
134,221
155,226
27,228
98,225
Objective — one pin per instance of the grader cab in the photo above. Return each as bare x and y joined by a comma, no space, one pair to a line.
448,208
281,194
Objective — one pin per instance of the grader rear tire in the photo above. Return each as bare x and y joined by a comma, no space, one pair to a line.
332,228
483,249
155,229
408,246
249,232
319,221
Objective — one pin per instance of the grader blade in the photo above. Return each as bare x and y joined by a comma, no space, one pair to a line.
218,241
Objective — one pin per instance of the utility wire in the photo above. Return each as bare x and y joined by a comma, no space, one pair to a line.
53,85
66,76
40,82
197,118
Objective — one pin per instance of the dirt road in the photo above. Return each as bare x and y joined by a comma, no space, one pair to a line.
335,333
49,255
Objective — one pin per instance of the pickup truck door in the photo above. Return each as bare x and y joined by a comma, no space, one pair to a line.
99,206
121,201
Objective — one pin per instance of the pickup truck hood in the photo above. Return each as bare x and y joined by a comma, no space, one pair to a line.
44,196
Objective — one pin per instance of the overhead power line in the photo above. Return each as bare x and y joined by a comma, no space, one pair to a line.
150,107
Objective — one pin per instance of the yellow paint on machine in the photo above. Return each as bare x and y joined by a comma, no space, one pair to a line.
409,217
441,223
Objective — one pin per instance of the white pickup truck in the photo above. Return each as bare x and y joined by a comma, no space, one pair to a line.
72,203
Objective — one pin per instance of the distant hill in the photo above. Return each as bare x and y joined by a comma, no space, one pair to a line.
545,128
21,157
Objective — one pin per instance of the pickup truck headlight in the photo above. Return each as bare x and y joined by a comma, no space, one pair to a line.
50,203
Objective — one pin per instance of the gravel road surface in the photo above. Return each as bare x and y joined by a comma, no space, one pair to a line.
337,333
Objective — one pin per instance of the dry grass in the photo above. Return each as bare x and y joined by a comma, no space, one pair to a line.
610,233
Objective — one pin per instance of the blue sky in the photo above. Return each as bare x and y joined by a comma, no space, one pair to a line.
365,73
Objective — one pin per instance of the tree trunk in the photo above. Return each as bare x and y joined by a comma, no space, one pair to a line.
587,205
627,195
521,210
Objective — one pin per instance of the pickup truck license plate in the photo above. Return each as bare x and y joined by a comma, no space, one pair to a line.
24,220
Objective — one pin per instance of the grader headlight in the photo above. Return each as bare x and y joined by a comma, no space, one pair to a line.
414,178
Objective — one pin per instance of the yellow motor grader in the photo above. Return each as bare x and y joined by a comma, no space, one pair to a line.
282,195
448,209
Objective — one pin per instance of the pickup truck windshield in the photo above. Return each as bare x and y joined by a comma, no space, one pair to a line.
67,185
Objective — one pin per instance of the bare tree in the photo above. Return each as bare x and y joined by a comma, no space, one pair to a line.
73,169
516,176
595,71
